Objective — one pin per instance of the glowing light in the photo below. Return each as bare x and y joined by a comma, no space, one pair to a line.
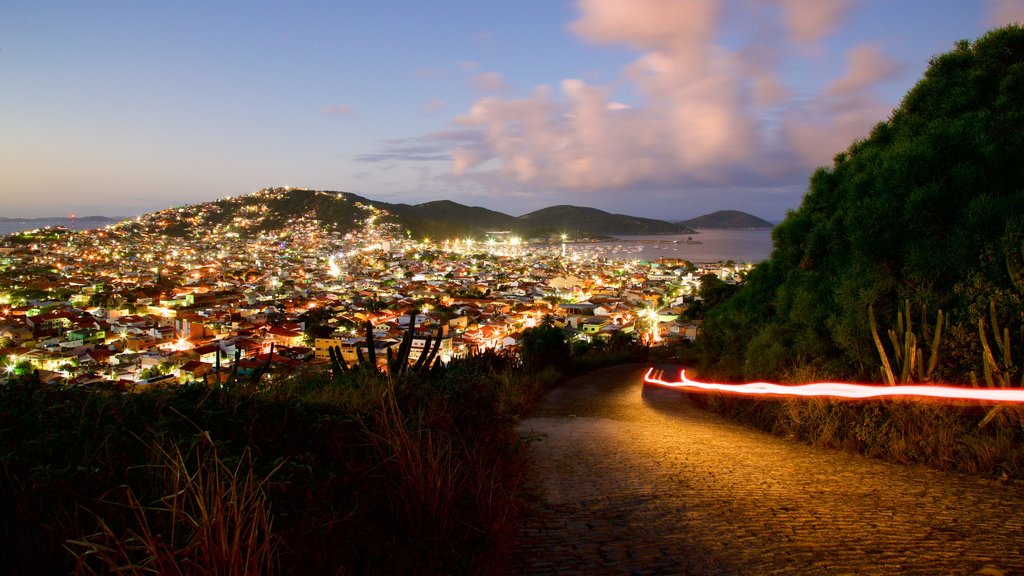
335,270
843,390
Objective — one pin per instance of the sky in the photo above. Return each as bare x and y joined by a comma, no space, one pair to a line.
657,108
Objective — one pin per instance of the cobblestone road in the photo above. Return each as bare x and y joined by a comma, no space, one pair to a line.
632,483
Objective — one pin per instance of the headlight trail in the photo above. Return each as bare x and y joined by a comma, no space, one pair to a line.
841,390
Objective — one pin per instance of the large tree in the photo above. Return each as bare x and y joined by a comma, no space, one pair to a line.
929,207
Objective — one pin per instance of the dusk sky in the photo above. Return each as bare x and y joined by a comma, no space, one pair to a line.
658,108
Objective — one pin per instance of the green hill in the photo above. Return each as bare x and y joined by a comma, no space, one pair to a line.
447,219
928,209
732,219
277,209
576,220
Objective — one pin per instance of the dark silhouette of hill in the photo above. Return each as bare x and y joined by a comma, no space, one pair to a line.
275,209
927,209
727,219
576,220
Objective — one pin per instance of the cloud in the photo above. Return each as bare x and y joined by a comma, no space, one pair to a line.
436,146
339,110
701,113
434,105
490,83
812,20
867,66
1003,12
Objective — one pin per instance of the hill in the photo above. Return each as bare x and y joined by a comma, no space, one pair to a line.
733,219
925,214
576,220
276,209
446,219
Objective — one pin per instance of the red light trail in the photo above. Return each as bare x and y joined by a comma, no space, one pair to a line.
843,390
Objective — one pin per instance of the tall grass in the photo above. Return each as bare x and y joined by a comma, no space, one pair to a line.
309,474
951,437
211,520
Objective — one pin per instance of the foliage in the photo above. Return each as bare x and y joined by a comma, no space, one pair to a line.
544,346
929,208
944,437
356,473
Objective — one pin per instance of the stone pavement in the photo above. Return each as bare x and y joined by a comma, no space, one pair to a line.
626,482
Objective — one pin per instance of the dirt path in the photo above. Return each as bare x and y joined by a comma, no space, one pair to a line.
627,482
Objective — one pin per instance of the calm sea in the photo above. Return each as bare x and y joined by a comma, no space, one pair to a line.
10,226
705,246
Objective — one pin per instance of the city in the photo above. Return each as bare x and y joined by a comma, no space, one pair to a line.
130,305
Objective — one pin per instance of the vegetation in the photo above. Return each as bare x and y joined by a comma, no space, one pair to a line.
726,219
929,209
348,471
272,209
903,264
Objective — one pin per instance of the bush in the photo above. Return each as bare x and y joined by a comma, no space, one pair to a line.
361,473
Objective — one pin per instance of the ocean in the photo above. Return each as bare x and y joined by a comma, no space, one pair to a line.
12,225
705,246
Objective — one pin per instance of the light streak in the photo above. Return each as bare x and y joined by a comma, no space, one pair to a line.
842,390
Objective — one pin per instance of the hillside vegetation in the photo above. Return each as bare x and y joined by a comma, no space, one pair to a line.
925,214
729,219
274,210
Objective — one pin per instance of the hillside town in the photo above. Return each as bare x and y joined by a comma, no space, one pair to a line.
131,305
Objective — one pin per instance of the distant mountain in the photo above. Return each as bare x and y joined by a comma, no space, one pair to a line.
591,221
727,219
445,219
275,209
12,225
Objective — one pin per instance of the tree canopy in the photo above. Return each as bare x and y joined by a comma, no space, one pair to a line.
929,208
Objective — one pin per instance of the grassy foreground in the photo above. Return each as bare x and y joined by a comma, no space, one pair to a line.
349,472
969,438
357,473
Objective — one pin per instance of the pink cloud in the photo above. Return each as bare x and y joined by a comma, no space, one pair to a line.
819,131
867,66
339,110
489,83
699,113
1003,12
434,105
812,20
647,24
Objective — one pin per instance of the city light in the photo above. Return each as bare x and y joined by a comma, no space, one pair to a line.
841,390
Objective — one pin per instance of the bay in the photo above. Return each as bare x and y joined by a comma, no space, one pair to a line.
705,246
13,225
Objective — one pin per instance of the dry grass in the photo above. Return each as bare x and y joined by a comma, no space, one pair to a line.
212,520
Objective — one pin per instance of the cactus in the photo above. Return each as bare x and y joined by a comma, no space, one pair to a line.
397,361
234,367
908,357
338,364
370,349
1013,246
260,370
997,373
429,360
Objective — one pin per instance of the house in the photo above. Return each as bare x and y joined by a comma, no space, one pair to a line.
193,371
445,350
285,337
511,340
209,353
594,324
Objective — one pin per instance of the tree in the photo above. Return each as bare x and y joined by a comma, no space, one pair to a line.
543,346
928,208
